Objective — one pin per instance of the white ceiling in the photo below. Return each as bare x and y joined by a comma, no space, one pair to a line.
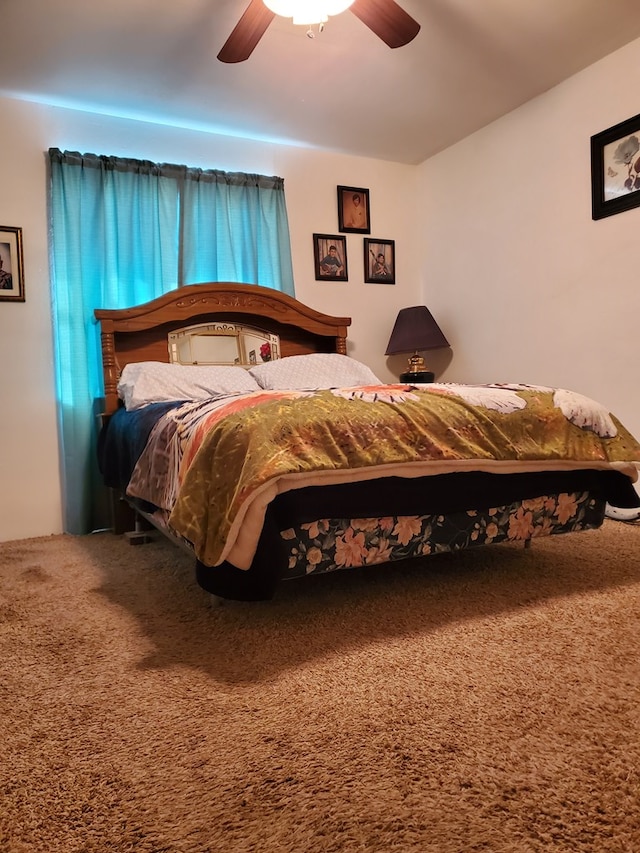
344,90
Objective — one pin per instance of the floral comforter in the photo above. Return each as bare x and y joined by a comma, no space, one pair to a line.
214,466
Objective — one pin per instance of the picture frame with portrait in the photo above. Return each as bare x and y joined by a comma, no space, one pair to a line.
353,210
330,256
380,261
11,266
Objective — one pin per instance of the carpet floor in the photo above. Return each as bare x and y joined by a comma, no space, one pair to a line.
482,701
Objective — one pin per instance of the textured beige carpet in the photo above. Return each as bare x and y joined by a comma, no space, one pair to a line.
488,701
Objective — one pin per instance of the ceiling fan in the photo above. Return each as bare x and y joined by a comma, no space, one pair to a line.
384,17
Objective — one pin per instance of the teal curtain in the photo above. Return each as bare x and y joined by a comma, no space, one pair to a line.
123,231
236,229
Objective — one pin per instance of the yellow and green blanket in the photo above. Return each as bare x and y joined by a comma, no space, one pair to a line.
214,466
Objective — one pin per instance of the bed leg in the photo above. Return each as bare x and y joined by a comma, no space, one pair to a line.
140,535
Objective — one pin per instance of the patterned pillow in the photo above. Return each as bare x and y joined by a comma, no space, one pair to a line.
155,382
313,371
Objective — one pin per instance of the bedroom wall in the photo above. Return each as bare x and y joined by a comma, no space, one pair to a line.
30,499
530,288
494,235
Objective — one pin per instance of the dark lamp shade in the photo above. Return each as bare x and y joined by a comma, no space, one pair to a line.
415,330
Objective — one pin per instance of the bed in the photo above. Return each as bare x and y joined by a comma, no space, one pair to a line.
236,423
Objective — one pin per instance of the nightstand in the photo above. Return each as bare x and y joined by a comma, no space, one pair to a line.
421,376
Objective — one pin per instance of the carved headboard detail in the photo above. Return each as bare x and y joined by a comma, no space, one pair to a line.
142,333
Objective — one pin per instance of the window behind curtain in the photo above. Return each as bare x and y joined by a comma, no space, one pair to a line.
124,231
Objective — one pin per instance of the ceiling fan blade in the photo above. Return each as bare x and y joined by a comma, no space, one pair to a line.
247,33
387,20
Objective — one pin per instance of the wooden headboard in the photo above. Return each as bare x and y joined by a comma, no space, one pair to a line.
141,333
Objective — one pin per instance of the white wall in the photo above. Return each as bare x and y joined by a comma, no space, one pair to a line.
30,499
529,287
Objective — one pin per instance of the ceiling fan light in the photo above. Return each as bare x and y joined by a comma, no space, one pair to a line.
307,11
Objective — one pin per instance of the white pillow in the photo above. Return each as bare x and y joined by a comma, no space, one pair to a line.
156,382
313,371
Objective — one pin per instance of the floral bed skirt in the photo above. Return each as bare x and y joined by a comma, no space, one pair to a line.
329,544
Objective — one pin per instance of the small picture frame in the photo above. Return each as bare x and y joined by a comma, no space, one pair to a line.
380,261
11,267
615,169
353,210
330,254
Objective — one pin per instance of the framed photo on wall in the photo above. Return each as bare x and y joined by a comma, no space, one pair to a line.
11,274
353,210
380,261
615,169
330,254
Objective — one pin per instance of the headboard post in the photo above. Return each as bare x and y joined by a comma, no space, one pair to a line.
109,365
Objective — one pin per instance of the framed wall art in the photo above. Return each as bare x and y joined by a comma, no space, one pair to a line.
330,254
380,261
11,273
353,210
615,169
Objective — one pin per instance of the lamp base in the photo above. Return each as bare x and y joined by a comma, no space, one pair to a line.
417,377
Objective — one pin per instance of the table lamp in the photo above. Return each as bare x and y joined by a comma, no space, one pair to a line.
415,330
